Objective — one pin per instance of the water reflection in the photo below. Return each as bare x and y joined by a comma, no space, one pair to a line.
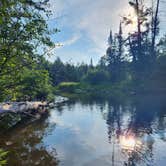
130,143
145,123
25,145
88,132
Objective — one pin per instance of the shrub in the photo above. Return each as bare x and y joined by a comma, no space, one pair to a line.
68,86
95,77
35,85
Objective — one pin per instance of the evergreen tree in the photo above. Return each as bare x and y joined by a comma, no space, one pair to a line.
139,41
114,54
155,29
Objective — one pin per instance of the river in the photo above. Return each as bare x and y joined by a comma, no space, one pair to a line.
93,132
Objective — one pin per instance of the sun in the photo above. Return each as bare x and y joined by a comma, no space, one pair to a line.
133,25
129,142
131,15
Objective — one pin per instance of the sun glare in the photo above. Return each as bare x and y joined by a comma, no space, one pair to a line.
132,26
129,143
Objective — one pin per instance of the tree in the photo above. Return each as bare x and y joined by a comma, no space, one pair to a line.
23,32
114,54
120,42
155,29
96,76
139,41
34,85
57,71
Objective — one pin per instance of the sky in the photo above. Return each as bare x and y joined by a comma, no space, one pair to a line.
84,27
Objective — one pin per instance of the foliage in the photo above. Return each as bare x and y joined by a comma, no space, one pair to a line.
104,90
61,72
157,82
132,63
96,76
3,156
34,85
23,31
68,86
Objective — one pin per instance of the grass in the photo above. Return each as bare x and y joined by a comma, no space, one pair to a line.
76,89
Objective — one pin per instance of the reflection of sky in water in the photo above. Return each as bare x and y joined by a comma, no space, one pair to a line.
96,135
91,133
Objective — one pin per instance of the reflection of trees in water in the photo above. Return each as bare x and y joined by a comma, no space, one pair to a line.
146,117
162,122
114,120
26,146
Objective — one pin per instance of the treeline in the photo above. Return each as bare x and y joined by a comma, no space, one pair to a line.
61,72
136,61
139,57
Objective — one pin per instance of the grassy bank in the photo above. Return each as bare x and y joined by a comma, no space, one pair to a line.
105,90
76,89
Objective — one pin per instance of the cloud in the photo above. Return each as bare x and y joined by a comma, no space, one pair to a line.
91,20
94,18
72,40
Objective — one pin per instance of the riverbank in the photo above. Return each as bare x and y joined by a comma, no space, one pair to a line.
106,90
82,90
13,113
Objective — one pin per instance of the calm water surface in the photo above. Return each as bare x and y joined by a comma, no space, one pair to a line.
93,133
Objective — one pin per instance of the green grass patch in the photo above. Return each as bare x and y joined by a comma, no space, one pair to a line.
76,90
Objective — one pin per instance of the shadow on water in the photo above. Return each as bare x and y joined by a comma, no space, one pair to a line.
94,132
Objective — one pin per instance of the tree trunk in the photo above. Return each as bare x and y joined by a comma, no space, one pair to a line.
139,30
154,30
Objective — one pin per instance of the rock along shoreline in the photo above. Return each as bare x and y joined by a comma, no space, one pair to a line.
12,113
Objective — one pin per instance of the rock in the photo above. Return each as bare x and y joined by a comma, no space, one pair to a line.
8,143
11,113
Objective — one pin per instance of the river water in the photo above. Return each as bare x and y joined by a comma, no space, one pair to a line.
93,132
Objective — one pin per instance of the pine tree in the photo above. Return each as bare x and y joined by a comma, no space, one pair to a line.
114,54
138,41
155,30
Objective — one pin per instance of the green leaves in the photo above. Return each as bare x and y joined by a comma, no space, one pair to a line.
23,29
3,156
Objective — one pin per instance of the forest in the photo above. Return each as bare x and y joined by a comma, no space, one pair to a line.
133,63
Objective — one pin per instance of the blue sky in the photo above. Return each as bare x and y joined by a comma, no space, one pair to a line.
85,26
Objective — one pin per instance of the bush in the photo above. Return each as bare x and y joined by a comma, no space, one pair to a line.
95,77
68,86
35,85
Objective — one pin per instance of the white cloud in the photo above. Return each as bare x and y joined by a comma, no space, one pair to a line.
91,19
72,40
94,18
